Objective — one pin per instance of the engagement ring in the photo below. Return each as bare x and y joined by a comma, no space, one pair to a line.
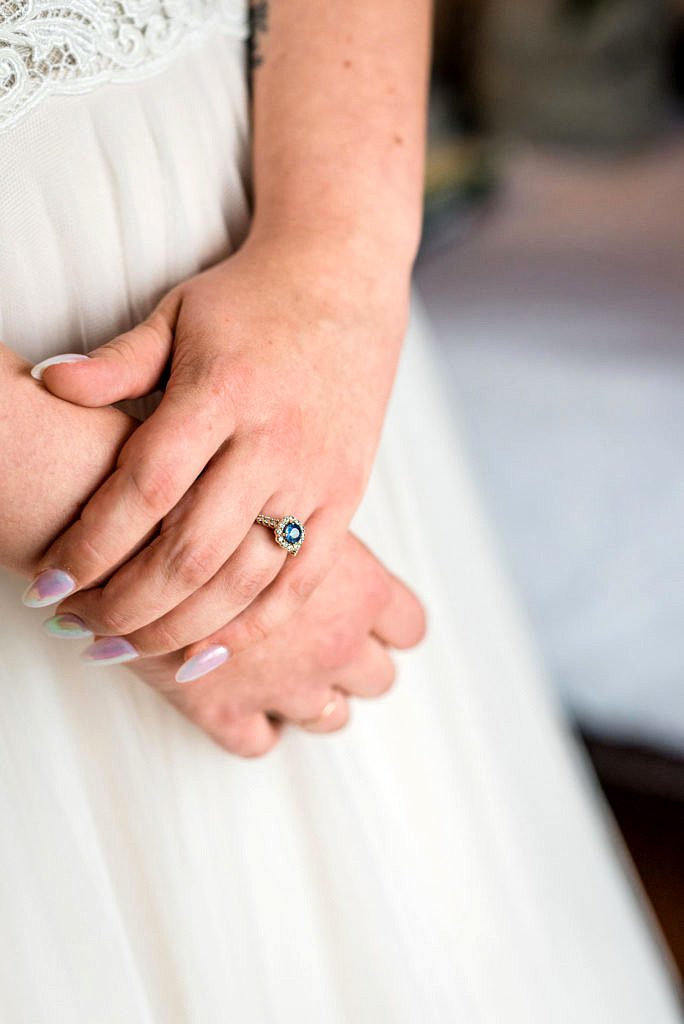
288,531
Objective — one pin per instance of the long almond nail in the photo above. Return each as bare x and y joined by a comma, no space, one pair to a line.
67,627
49,587
110,650
68,357
201,664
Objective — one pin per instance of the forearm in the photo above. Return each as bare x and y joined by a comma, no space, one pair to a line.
53,455
339,98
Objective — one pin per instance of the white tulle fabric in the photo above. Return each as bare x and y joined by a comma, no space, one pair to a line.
445,859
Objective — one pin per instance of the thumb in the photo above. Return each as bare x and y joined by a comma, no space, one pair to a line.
129,366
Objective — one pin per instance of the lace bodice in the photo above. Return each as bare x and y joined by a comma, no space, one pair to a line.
50,47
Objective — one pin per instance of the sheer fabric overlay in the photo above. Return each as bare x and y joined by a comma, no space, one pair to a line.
445,858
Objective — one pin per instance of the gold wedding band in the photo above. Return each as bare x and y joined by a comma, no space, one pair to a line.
288,531
327,711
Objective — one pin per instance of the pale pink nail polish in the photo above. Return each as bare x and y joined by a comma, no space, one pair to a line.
110,650
200,664
49,587
67,627
68,357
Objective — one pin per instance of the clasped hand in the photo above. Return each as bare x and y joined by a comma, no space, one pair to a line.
276,370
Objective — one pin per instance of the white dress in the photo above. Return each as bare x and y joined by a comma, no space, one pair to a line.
446,858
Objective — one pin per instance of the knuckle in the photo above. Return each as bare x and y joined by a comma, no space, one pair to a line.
336,649
246,583
283,423
83,555
255,629
266,438
113,620
236,734
154,486
159,638
193,564
301,585
349,484
379,588
290,423
383,678
223,722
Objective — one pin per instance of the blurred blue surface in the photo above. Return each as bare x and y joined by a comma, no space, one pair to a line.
559,325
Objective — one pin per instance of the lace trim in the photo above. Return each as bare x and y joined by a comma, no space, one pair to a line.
70,47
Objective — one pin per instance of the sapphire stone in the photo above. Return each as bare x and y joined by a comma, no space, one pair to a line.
292,533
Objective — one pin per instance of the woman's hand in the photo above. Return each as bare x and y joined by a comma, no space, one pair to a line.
302,673
280,363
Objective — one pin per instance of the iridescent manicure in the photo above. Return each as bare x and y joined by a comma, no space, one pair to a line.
68,357
200,664
110,650
49,587
67,627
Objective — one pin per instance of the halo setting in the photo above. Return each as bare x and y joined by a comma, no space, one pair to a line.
288,532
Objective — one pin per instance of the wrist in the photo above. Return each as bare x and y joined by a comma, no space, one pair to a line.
341,267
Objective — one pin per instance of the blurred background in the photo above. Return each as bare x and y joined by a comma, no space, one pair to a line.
552,270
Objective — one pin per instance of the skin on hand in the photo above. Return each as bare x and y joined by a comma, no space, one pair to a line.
339,633
336,647
280,370
53,456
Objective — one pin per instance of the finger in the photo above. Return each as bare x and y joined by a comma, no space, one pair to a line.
371,674
225,708
249,579
401,620
247,735
251,568
333,715
157,465
397,616
195,543
294,584
129,366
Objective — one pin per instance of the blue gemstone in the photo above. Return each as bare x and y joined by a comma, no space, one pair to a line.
292,533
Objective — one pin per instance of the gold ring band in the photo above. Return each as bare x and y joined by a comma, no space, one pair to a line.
325,713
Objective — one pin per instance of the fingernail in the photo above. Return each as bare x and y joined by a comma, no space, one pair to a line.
67,627
68,357
200,664
49,587
110,650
